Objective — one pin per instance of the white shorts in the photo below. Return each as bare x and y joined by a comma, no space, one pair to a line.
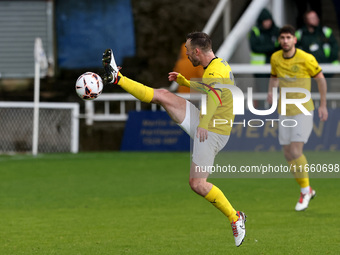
203,152
299,133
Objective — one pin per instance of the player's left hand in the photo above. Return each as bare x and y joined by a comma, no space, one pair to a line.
202,134
323,113
172,76
270,97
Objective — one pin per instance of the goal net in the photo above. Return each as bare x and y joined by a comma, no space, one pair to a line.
58,127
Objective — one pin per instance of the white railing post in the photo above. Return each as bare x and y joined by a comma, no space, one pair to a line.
138,106
107,107
35,136
75,129
89,112
40,62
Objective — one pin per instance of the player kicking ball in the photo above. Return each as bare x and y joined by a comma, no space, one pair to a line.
208,140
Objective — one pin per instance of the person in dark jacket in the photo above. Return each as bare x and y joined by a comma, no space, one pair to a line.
317,40
263,40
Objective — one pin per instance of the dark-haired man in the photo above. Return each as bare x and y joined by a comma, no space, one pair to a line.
208,139
294,68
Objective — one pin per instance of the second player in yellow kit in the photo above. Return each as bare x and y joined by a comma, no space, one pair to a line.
295,72
291,67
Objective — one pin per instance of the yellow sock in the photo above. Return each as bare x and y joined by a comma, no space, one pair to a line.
217,198
300,175
138,90
303,178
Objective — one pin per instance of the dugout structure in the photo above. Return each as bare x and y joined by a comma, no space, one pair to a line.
58,127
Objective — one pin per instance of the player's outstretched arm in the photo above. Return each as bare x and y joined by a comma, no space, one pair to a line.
322,86
180,79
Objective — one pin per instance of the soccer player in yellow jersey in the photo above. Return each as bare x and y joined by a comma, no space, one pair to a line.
292,67
208,140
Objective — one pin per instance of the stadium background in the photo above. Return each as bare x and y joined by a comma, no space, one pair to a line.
146,36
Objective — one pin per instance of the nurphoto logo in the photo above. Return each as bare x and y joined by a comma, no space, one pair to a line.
238,105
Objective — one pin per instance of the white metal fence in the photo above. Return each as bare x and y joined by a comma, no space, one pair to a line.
104,114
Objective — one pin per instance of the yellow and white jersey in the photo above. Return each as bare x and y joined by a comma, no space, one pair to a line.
295,72
219,101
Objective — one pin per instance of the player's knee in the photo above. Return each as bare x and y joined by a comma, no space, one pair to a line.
195,184
288,155
160,96
292,152
295,152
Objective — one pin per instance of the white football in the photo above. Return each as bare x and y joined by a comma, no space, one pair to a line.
89,86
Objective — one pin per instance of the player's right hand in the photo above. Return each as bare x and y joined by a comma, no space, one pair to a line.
173,76
202,134
323,113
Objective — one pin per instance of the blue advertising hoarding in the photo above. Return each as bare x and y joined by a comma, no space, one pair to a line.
153,131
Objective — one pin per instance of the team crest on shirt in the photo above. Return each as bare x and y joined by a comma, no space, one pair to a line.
295,68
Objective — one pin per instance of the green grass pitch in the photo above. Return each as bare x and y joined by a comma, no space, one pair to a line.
141,203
